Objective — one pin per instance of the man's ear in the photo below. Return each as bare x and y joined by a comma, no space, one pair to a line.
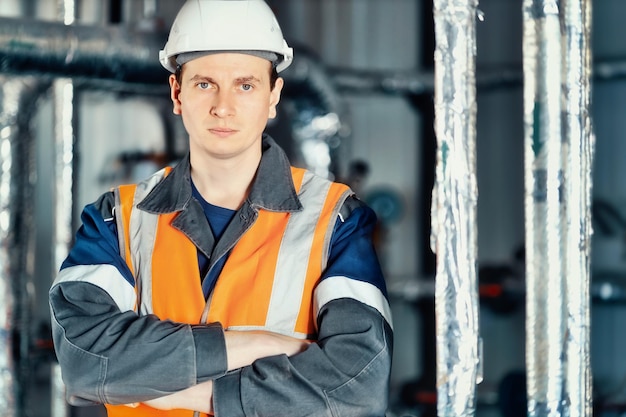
174,93
275,97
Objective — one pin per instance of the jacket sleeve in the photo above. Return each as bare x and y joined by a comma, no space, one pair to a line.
107,352
346,371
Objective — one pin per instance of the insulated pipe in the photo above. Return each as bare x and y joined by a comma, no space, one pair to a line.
578,144
94,52
63,199
64,150
17,98
316,131
559,148
355,81
63,196
454,208
545,208
118,53
96,57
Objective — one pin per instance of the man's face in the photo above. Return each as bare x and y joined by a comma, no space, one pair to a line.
225,101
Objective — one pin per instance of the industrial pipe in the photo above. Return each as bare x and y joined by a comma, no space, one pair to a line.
95,52
119,54
63,196
454,204
17,101
545,324
558,154
578,142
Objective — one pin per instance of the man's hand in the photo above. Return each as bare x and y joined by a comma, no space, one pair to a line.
244,347
196,398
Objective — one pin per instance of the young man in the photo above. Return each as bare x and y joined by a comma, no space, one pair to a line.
232,284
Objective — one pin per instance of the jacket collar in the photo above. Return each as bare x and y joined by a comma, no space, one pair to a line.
272,188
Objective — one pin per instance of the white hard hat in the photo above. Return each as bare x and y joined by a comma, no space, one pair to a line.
225,25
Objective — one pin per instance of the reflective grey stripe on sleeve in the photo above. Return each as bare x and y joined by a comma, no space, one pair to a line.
106,277
334,288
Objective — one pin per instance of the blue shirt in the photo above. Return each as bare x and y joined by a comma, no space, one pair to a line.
218,218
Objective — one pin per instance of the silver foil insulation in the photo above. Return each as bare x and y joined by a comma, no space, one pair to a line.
558,156
17,100
455,194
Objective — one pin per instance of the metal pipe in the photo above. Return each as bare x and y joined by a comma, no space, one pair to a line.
63,93
63,196
63,199
356,81
105,57
454,204
578,144
17,95
8,379
545,280
124,55
317,131
94,52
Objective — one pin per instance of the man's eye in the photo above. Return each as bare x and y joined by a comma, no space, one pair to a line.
246,87
203,86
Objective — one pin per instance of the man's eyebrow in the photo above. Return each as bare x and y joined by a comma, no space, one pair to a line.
247,79
238,80
201,78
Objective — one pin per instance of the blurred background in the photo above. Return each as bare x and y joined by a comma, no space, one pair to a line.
85,106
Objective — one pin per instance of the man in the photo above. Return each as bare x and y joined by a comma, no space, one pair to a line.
232,284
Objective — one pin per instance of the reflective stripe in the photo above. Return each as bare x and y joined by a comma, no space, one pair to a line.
141,235
137,234
142,232
269,278
334,288
293,258
122,214
104,277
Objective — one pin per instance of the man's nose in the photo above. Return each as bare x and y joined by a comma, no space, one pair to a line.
223,104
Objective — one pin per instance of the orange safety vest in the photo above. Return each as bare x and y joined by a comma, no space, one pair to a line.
267,282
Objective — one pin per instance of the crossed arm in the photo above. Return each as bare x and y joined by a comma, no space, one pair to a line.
98,339
242,349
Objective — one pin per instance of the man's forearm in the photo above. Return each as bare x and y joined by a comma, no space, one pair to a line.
346,370
244,347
